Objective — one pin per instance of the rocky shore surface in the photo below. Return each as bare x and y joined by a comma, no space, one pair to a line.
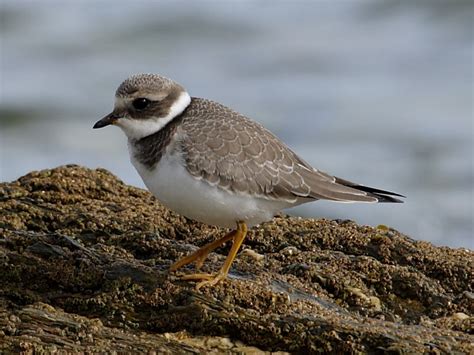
84,267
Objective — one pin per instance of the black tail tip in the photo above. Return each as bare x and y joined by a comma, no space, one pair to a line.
381,195
381,198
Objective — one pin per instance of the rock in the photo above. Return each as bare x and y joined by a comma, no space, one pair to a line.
84,259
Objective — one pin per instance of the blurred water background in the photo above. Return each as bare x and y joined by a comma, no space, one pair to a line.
378,92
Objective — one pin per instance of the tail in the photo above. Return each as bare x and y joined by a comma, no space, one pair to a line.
380,195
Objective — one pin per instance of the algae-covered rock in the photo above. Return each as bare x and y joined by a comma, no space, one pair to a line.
84,267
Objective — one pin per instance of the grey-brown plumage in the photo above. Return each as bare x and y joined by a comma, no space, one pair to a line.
214,165
150,149
146,84
228,150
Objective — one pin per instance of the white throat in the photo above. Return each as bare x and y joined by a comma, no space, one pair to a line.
137,129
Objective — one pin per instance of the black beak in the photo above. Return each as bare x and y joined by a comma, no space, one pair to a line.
107,120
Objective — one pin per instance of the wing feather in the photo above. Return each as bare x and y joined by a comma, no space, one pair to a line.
244,157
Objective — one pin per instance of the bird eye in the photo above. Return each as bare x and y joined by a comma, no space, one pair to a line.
140,103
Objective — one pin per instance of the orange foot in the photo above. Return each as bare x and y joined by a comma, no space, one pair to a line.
200,255
205,279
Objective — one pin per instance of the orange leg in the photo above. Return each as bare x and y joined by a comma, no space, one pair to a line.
200,255
211,280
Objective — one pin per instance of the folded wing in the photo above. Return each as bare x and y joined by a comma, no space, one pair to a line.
226,149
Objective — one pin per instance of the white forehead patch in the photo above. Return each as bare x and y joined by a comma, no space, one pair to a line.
139,128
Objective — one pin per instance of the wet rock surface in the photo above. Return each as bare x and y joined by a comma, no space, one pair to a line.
84,267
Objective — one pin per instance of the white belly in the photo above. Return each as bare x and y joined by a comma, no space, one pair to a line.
196,199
